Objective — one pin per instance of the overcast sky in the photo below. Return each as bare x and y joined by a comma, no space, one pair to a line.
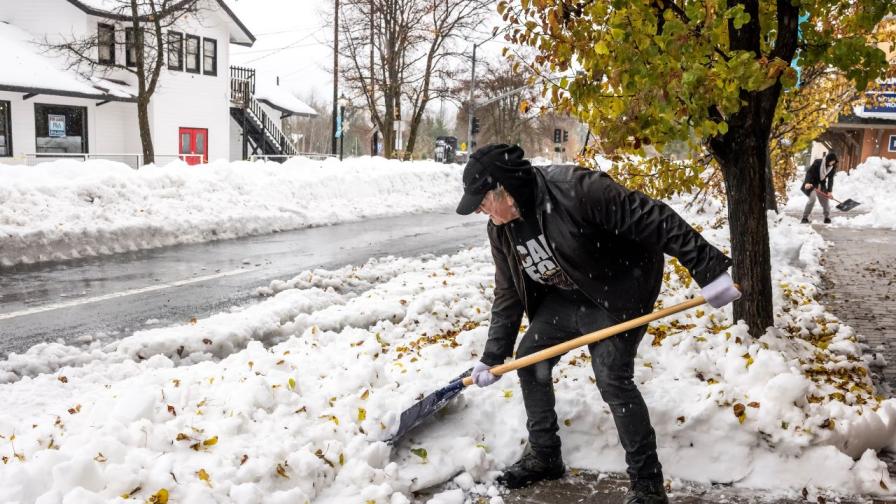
295,42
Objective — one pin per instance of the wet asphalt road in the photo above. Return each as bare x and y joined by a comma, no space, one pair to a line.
112,296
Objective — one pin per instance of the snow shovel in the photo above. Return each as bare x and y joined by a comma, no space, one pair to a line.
843,206
429,405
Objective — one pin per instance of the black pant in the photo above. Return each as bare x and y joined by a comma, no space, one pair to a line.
612,359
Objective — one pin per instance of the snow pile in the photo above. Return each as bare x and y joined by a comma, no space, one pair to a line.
870,184
289,400
69,209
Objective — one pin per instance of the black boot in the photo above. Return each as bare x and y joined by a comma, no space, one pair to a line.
805,220
532,468
827,220
646,492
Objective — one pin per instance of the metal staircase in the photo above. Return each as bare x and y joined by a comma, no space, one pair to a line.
261,133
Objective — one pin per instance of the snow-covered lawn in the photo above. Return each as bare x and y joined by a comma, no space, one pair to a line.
289,400
69,209
870,183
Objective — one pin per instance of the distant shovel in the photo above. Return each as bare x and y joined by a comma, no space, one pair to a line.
844,206
432,403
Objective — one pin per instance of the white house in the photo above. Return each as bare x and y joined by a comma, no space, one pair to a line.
202,108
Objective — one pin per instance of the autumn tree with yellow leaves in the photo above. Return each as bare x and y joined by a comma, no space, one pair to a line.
709,73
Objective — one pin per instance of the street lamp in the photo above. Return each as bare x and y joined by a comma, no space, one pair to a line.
343,102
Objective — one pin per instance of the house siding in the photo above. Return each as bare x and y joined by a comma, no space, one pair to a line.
195,100
32,16
111,128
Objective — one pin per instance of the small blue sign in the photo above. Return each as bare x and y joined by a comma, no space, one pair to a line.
339,126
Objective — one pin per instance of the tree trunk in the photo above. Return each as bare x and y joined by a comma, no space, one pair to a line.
771,200
145,132
744,169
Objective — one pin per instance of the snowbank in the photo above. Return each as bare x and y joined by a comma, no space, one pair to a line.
289,400
870,184
69,209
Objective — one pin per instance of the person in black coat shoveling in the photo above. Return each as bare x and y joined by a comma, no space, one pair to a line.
578,252
820,178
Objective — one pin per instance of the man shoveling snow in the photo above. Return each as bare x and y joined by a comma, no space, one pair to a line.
577,252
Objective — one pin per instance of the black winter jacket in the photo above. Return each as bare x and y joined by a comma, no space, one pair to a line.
608,240
813,176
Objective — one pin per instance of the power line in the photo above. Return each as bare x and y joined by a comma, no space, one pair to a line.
281,48
289,30
290,46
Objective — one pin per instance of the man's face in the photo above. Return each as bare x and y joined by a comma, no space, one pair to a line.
832,162
501,210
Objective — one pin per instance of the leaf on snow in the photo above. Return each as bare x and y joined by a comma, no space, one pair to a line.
160,497
127,495
740,411
420,452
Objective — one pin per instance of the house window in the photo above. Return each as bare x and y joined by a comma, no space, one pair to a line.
130,44
192,55
175,51
5,130
892,146
60,129
210,56
105,44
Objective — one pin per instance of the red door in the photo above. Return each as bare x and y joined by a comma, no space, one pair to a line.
194,145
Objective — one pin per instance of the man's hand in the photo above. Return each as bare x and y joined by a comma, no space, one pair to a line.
482,376
717,293
807,186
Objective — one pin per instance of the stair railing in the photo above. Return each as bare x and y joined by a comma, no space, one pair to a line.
242,95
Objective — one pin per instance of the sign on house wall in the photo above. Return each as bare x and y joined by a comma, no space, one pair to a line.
56,125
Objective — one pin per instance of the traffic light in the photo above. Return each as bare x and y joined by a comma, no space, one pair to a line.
565,136
475,127
557,135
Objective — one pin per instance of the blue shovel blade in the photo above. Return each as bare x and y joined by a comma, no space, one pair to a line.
427,407
847,205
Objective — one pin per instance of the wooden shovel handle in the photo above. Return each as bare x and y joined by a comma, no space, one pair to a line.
589,338
825,196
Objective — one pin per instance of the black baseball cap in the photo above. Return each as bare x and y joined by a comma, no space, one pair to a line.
478,180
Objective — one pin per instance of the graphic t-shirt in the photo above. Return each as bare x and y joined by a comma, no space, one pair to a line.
535,256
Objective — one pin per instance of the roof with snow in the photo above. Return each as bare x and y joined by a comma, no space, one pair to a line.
29,69
114,9
268,92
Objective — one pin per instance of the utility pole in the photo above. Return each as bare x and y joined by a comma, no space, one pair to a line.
472,104
335,74
470,134
373,150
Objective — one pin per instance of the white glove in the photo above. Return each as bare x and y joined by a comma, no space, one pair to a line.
719,292
482,376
